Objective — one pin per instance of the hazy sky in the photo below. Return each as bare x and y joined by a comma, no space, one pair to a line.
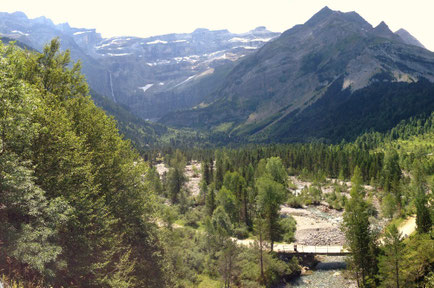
148,18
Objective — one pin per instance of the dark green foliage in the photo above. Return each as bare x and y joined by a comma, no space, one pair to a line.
211,201
75,198
418,260
359,235
175,177
421,193
391,263
341,115
288,227
271,195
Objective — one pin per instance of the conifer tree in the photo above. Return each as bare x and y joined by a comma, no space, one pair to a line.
359,236
390,264
270,196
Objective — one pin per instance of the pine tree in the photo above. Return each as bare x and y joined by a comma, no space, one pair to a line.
390,264
359,236
270,196
423,217
210,202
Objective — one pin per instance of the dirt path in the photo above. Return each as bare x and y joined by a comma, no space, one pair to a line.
408,226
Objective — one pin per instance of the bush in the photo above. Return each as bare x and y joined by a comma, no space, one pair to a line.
192,217
388,206
241,232
294,202
288,226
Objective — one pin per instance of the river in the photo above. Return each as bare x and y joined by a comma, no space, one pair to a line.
327,273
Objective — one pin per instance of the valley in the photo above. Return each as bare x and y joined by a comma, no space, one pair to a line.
216,159
318,228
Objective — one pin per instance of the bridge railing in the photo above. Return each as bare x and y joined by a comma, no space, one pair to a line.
291,248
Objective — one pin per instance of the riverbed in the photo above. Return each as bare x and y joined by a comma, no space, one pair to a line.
329,272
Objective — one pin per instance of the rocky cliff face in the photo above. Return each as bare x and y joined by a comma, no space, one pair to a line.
144,74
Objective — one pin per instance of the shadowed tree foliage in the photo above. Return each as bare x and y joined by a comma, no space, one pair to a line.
74,195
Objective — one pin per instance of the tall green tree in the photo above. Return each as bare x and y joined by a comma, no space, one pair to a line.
219,169
77,192
359,235
390,264
423,216
236,183
271,195
228,201
206,172
210,201
276,170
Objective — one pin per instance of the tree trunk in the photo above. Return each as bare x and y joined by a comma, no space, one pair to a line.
397,273
357,278
246,217
261,260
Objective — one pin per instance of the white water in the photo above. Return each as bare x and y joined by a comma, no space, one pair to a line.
111,87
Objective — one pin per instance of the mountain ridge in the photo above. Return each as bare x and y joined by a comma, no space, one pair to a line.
292,72
246,85
134,71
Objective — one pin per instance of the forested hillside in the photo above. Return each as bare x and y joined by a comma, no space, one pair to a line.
75,206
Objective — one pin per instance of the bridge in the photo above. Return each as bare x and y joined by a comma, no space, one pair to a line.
308,249
292,248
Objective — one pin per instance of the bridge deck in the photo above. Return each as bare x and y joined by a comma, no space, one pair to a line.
306,249
335,250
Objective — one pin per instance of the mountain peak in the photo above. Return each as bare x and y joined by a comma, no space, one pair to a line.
322,14
326,13
200,30
19,14
325,9
382,30
382,26
408,38
259,29
44,20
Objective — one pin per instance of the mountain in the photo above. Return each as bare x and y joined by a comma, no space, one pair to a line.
316,74
147,75
408,38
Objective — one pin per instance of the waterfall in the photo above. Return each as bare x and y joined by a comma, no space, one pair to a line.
111,87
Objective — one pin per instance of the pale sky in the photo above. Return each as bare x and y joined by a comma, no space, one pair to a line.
148,18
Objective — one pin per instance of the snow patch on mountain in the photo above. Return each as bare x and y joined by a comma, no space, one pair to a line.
146,87
156,42
81,32
117,55
247,40
19,32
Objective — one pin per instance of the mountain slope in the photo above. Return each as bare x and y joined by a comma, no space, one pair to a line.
408,38
333,51
143,134
148,75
